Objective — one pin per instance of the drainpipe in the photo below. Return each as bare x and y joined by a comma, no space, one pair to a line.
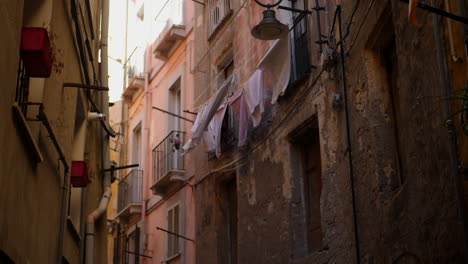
452,134
146,150
101,209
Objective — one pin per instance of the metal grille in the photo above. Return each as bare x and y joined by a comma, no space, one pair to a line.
130,189
218,10
167,155
300,49
22,87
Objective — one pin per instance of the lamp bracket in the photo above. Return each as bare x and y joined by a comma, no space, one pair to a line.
318,8
295,10
268,5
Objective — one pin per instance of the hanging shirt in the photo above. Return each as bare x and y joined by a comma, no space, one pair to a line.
203,119
277,65
254,96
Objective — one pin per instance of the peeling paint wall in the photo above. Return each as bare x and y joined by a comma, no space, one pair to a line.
405,192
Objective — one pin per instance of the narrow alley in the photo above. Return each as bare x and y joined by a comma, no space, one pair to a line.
234,131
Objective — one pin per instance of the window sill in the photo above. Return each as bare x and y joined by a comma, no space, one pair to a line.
73,230
221,24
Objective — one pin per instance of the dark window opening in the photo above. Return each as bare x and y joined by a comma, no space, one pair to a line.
133,247
383,47
227,235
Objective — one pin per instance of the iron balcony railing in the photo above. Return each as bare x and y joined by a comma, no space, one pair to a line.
135,64
167,155
218,10
130,190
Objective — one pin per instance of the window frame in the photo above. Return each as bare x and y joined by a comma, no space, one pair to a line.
175,239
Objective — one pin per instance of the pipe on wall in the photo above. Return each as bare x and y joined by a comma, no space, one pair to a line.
348,139
105,155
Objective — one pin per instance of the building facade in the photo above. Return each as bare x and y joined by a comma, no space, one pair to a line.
371,177
52,124
344,141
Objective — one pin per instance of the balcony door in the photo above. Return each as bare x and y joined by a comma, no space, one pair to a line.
136,159
175,106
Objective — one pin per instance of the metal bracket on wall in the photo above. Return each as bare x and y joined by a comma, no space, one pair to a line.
174,234
440,12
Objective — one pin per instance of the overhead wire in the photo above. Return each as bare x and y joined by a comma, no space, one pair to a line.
360,26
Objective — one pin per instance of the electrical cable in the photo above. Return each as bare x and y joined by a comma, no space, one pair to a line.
360,27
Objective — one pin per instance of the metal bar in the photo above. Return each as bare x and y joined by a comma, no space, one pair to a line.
85,86
198,2
317,8
121,167
189,112
172,114
348,139
140,255
45,121
440,12
172,233
295,10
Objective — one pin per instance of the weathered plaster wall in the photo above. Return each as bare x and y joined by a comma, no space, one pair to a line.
31,193
406,199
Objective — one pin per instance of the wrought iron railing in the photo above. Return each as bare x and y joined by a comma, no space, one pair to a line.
300,54
167,155
130,190
135,64
218,10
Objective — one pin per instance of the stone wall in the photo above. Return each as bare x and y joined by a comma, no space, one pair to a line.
405,195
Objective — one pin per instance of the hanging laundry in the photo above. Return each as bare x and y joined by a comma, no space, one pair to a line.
239,106
277,65
209,137
217,125
203,119
254,95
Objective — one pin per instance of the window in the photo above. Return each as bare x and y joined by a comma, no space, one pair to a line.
133,247
136,145
229,129
173,226
218,11
300,54
382,70
306,146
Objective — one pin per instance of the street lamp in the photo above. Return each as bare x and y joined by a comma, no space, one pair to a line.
269,28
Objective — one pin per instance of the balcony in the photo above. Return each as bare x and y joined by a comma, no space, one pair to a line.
170,38
168,164
130,194
135,80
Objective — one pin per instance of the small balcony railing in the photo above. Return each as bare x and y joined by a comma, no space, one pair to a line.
167,155
130,190
218,11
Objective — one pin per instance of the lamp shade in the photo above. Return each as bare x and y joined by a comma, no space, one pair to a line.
269,28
